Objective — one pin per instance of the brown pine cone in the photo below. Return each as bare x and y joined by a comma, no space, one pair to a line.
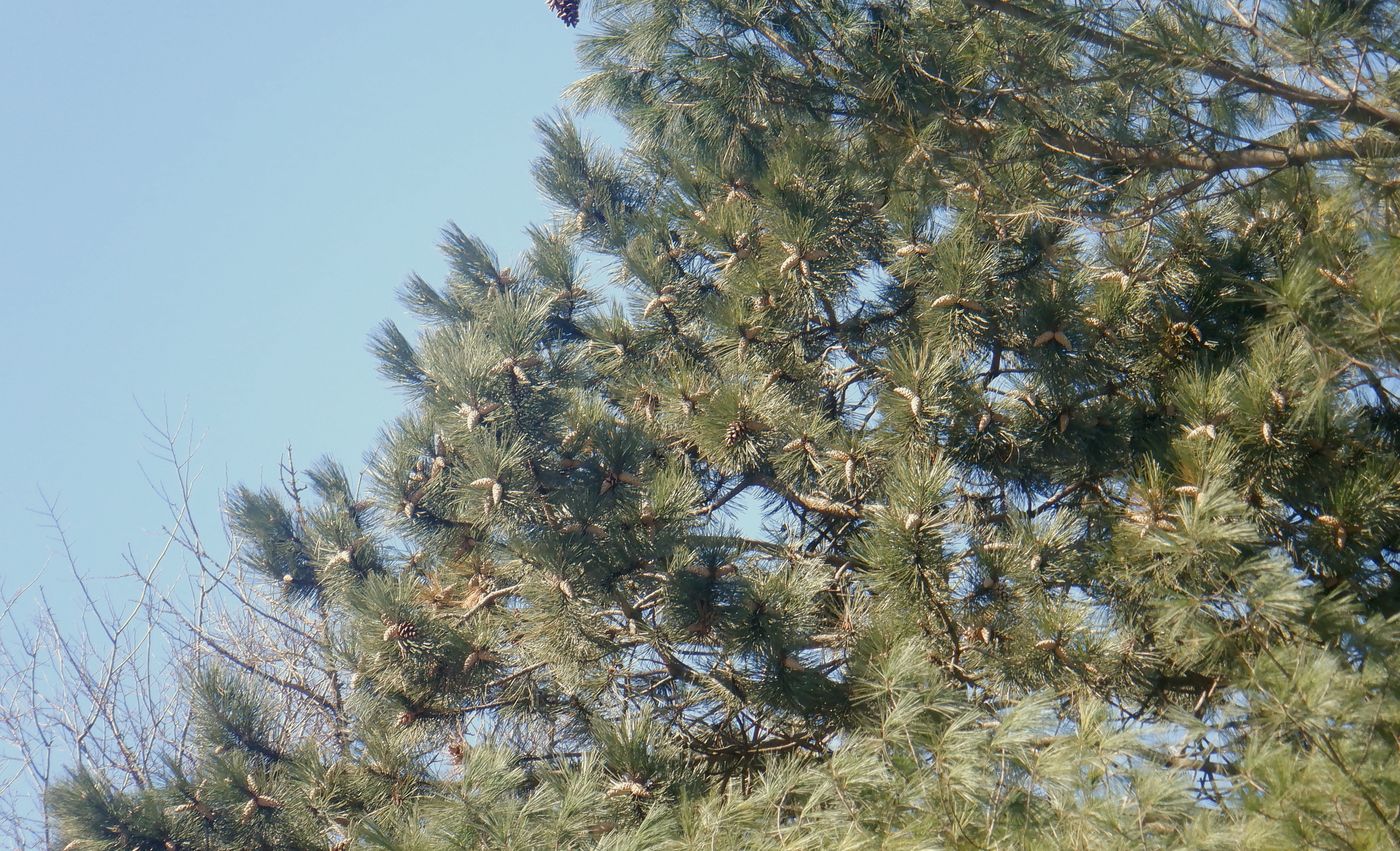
735,433
566,10
399,630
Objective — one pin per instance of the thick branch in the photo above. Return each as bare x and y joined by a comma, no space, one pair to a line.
811,502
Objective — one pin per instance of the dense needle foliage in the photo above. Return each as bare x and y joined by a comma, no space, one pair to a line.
979,430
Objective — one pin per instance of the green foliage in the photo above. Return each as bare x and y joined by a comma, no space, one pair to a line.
986,437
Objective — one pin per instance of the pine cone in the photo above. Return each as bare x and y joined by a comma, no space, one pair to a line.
399,630
735,433
457,752
566,10
628,788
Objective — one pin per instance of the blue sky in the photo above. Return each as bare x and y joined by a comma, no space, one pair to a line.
207,206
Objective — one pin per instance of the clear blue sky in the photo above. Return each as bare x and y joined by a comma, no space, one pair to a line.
207,206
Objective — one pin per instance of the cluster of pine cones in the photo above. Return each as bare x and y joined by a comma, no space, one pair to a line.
567,10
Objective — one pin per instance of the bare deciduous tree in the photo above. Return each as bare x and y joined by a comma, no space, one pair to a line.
97,684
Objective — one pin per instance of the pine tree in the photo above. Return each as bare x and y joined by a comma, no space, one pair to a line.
985,436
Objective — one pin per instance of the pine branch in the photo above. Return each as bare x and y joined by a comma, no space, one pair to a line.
812,502
1255,155
1349,108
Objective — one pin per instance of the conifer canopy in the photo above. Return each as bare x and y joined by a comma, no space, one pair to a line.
946,424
